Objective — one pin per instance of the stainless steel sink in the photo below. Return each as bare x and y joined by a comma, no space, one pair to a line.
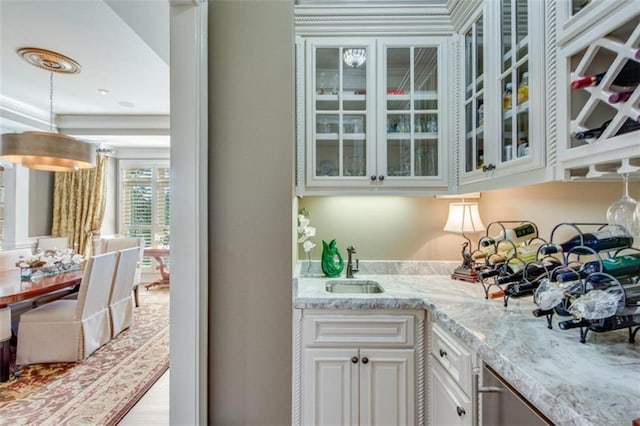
353,287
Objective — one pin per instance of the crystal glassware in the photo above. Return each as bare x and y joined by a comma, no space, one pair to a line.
625,211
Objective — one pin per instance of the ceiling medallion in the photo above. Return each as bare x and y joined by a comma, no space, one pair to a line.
48,60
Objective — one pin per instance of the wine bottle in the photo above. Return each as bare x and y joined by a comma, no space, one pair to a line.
629,76
532,271
614,98
606,239
521,288
615,322
618,267
518,236
526,253
629,125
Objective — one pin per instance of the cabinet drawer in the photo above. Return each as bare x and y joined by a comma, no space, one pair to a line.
395,330
453,356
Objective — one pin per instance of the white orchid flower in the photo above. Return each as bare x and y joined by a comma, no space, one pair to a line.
310,231
308,245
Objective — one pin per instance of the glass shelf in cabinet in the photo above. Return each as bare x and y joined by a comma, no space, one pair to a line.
479,131
425,95
354,136
326,136
521,108
398,135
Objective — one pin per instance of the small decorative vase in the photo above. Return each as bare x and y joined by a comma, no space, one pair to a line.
307,272
25,274
332,263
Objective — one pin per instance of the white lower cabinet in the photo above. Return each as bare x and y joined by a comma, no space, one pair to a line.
359,368
359,386
450,377
449,405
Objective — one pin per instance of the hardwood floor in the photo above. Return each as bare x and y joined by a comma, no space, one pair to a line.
153,408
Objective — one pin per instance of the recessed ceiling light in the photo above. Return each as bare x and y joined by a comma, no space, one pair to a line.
103,92
126,104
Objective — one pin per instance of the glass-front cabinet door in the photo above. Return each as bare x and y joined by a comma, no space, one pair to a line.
339,106
474,97
410,115
503,106
374,115
514,80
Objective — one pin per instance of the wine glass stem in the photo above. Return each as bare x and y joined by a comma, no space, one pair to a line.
625,182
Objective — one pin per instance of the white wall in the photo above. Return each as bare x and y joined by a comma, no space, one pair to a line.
401,228
251,125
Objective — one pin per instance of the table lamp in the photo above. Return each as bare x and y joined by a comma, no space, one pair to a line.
464,218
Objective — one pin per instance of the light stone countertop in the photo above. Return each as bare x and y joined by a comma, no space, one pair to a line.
596,383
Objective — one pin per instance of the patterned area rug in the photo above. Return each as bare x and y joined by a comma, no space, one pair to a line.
101,389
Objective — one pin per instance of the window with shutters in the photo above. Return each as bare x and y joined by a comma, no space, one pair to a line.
144,212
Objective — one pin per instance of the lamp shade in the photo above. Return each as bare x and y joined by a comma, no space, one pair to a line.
464,217
47,151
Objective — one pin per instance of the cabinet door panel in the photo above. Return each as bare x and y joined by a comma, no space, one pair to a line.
387,395
449,405
330,387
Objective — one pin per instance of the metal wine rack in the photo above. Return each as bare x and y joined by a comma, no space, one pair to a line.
628,313
499,270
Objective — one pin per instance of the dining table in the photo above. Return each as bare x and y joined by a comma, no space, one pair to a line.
13,290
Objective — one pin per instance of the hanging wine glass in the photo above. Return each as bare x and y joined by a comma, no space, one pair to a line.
625,211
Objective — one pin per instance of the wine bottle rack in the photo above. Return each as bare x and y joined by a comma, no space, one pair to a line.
626,316
599,40
491,271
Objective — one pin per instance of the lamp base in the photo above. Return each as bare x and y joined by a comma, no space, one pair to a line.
465,274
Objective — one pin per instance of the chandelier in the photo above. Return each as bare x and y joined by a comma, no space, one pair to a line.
47,151
354,57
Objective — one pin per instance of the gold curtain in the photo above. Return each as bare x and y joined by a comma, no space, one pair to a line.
78,205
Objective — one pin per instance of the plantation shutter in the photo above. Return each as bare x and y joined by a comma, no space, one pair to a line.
145,190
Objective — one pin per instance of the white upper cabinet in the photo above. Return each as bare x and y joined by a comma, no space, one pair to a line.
600,71
374,115
503,95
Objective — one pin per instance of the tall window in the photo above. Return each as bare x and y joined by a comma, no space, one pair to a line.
144,201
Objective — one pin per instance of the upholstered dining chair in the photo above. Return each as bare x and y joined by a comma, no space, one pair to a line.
51,243
121,301
9,258
121,243
69,330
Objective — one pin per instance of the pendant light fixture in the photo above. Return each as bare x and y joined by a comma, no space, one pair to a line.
48,151
354,57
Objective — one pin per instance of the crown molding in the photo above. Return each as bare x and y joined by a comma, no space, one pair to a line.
78,124
21,116
377,19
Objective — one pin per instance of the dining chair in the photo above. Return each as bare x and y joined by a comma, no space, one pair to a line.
9,258
120,301
52,243
120,243
69,330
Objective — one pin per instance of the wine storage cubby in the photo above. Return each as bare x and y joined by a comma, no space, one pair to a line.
601,50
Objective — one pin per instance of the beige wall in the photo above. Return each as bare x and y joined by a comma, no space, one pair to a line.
401,228
251,122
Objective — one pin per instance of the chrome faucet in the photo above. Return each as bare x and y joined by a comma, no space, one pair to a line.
350,269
